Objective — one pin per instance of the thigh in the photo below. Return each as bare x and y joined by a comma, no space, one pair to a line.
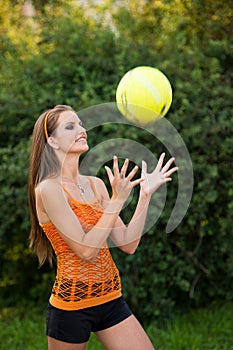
68,327
125,335
54,344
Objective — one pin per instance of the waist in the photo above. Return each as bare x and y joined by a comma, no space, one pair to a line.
74,295
82,304
68,289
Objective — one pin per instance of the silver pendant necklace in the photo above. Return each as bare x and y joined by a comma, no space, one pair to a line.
81,189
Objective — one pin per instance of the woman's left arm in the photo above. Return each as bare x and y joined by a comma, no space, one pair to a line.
128,237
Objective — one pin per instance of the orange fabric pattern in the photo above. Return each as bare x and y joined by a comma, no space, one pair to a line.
81,284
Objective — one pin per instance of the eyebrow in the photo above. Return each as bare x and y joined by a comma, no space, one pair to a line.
72,122
69,122
72,119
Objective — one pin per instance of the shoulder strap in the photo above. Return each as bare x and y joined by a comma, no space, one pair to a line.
93,187
71,199
68,194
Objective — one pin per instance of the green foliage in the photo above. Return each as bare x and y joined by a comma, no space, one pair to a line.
208,329
68,56
17,262
23,328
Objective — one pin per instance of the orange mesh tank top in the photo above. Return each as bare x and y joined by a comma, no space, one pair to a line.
81,284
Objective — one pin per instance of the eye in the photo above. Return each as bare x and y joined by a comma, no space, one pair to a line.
69,126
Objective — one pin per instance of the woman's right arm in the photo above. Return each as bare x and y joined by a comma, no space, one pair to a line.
56,206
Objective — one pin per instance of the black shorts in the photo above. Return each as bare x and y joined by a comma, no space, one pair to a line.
76,326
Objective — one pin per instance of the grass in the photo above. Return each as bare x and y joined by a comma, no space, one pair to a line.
204,329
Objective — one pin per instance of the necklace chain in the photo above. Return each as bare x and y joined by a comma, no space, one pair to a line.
81,189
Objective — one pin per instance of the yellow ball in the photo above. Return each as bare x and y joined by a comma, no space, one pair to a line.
144,94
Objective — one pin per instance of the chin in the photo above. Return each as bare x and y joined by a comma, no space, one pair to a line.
82,149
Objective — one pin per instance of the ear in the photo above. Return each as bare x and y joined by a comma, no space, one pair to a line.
52,142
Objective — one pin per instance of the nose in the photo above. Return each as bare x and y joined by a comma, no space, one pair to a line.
82,130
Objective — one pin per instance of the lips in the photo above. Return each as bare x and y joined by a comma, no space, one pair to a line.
81,138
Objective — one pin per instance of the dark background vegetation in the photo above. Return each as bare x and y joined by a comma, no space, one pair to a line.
69,53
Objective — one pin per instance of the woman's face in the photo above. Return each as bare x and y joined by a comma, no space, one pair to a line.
70,136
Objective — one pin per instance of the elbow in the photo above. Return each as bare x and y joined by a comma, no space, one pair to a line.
131,251
88,255
128,250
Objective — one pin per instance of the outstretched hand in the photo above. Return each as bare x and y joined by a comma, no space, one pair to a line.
161,174
120,183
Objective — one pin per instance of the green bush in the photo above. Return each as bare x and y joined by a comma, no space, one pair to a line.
76,59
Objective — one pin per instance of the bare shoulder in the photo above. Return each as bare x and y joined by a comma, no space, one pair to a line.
100,187
47,184
49,197
98,182
44,190
48,187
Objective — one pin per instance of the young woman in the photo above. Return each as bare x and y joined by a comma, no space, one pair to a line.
73,215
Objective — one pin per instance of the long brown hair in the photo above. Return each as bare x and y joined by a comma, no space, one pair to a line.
43,164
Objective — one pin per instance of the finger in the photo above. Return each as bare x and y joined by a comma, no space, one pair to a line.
115,166
136,182
132,173
160,162
125,167
168,164
109,173
170,172
144,167
167,179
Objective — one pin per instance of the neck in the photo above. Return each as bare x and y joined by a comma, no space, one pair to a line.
70,169
73,178
76,180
